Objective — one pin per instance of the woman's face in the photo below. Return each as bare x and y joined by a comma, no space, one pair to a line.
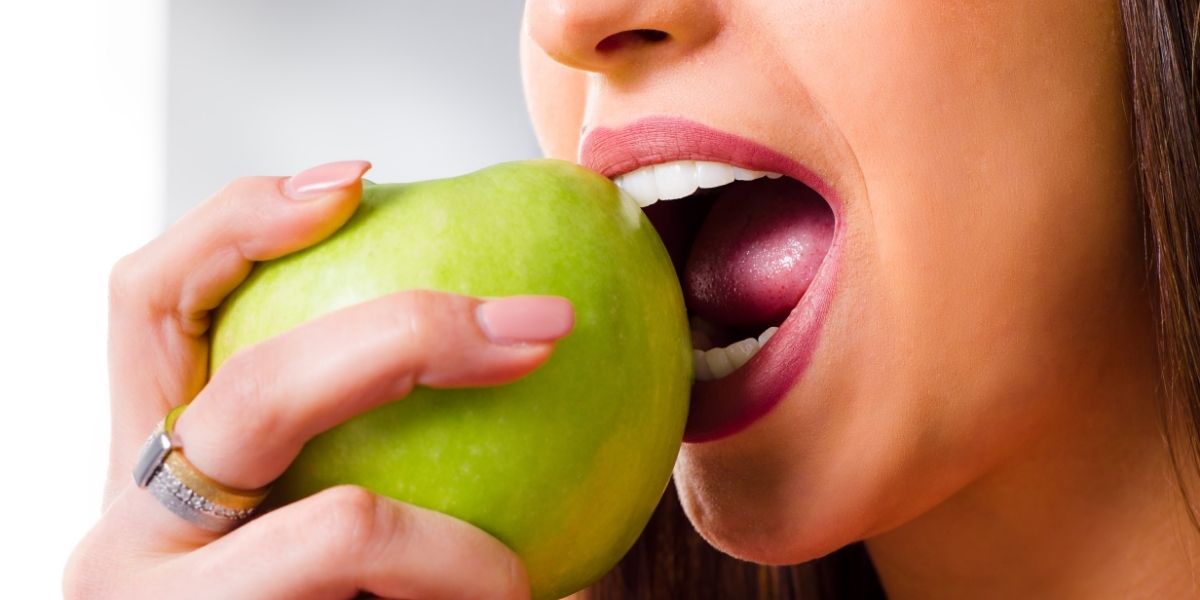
984,280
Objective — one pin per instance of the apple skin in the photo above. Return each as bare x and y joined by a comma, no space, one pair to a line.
565,465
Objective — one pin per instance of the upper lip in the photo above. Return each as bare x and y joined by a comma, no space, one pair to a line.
659,139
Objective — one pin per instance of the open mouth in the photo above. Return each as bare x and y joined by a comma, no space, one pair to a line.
754,238
746,246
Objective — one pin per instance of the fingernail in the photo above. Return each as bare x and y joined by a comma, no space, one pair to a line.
525,319
322,179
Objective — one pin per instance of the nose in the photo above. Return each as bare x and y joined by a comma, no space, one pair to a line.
606,35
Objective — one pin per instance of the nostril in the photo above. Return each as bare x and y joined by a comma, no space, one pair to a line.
630,39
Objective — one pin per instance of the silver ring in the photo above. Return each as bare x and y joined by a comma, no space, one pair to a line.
184,490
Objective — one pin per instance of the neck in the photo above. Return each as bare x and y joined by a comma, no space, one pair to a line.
1093,511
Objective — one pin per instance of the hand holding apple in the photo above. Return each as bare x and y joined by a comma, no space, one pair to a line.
563,466
245,424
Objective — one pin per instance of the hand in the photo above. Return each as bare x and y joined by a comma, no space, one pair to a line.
248,423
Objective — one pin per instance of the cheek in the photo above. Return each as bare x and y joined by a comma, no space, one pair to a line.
992,273
555,97
1004,233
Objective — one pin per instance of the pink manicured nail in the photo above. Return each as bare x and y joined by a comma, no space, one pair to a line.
525,319
322,179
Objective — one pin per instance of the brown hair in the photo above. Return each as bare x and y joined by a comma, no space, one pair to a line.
670,560
1164,81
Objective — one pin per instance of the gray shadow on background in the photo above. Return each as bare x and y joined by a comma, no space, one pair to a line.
421,89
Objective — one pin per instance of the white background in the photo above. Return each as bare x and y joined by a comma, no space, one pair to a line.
81,175
105,136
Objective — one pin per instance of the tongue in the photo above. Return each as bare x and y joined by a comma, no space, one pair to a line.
757,252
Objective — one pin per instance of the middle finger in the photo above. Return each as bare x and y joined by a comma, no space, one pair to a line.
252,419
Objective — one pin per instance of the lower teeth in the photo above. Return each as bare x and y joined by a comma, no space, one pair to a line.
716,363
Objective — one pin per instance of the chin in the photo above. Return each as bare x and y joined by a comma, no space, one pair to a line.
753,532
747,498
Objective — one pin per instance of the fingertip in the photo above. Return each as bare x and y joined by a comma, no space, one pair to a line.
305,209
525,319
325,179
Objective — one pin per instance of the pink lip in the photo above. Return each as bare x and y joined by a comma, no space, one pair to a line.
725,406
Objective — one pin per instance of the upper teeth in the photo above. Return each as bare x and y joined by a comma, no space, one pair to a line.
681,178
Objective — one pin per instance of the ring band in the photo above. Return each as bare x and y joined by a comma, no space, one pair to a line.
181,487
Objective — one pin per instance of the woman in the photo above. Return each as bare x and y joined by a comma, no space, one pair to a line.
970,377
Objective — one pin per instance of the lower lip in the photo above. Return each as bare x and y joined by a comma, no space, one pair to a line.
723,407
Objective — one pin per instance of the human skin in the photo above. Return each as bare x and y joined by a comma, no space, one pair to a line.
980,405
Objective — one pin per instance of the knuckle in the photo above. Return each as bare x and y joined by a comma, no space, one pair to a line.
126,279
74,583
347,521
423,332
238,198
419,314
84,576
410,310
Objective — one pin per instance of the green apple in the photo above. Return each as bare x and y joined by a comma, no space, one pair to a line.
565,465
